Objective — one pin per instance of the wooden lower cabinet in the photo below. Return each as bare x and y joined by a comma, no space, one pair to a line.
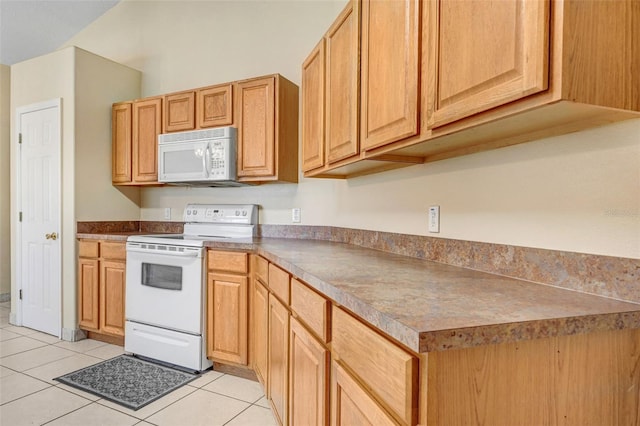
101,288
351,404
112,297
308,378
228,307
260,331
227,318
278,383
89,294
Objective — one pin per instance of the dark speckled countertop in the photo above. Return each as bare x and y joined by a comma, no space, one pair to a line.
429,306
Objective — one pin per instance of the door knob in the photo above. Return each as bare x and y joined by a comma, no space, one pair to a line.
52,236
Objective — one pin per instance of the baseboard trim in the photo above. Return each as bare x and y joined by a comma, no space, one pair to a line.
73,334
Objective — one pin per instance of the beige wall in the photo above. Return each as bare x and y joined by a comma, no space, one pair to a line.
5,137
87,86
578,192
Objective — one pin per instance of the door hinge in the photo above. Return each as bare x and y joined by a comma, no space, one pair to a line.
19,137
20,217
20,294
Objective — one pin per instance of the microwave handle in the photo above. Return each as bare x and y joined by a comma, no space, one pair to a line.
206,160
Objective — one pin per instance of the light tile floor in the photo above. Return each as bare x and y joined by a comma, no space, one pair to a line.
30,360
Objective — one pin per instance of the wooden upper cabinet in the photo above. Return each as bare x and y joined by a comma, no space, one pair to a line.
214,106
178,110
267,120
313,124
390,71
256,127
476,66
147,125
342,83
121,142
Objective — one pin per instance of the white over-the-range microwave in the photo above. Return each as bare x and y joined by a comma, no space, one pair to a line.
199,157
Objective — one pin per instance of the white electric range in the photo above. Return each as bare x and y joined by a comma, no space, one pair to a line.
166,284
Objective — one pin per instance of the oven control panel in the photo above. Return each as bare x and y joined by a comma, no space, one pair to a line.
221,213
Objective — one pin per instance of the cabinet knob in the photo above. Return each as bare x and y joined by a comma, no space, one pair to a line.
52,236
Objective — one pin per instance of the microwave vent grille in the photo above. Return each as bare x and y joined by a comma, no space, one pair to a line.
195,135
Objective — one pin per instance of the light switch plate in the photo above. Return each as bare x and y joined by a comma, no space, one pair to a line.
295,215
434,219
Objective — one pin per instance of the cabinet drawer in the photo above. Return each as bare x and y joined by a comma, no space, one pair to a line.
279,283
228,261
311,308
390,373
262,269
89,249
116,251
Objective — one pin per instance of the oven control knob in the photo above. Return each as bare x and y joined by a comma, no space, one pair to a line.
188,212
237,212
244,212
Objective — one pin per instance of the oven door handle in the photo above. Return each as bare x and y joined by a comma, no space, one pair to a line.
189,253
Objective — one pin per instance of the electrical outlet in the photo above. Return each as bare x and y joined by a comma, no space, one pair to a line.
434,219
295,215
167,213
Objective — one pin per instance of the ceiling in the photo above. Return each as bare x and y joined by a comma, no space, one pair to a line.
30,28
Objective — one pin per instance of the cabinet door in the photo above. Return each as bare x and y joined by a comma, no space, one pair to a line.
308,378
179,112
278,382
389,75
227,319
313,109
112,293
477,66
215,106
256,127
88,294
351,405
342,80
260,332
147,125
121,143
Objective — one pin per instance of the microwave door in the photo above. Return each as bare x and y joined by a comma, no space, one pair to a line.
183,162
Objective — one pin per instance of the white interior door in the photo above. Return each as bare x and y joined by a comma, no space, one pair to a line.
39,202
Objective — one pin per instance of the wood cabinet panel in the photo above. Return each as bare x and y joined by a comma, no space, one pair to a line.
308,378
390,373
478,67
147,125
89,294
312,308
228,261
351,404
585,379
313,100
278,383
88,249
179,110
260,333
256,127
342,84
227,318
279,283
112,297
389,71
215,106
113,251
261,266
121,142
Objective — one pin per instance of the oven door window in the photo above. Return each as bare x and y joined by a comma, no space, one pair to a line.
165,277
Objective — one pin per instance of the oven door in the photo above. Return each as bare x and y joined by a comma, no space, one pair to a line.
184,161
165,286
